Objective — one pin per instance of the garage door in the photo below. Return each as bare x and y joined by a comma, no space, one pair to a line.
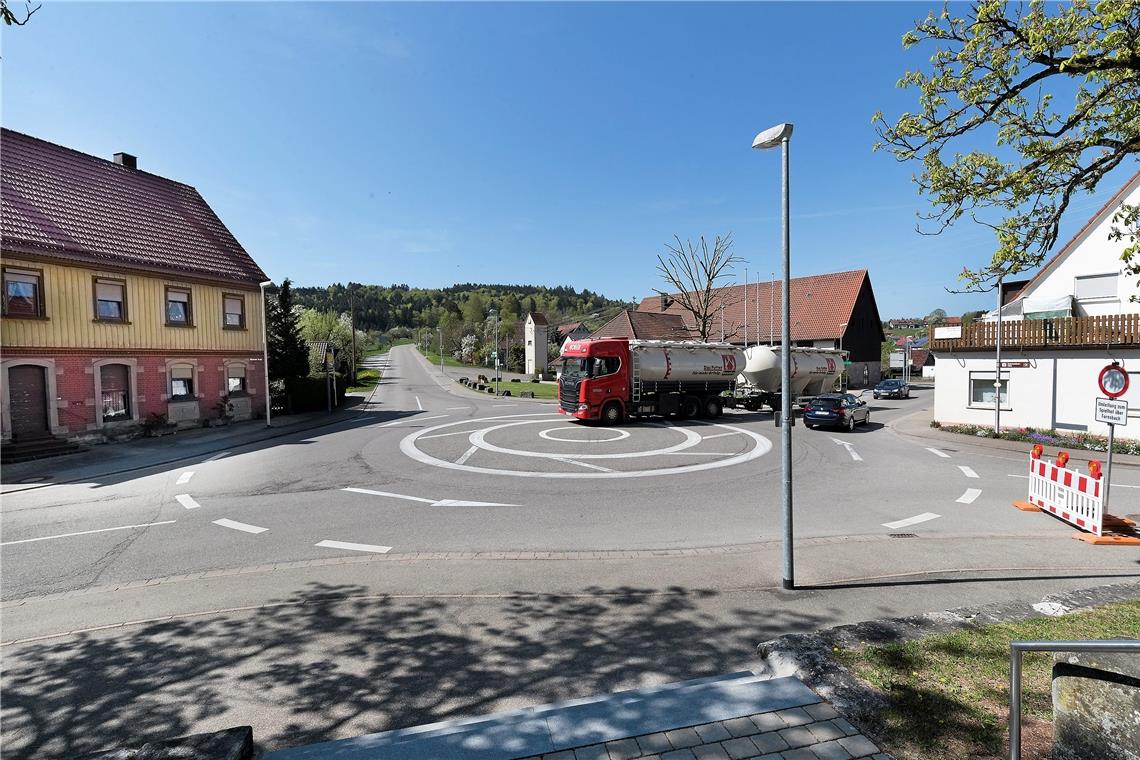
27,392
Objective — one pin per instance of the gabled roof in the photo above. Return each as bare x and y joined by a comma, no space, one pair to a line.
570,327
539,319
644,325
819,305
63,204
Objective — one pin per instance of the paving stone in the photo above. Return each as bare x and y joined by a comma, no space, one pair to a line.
654,743
825,731
566,754
821,711
845,727
710,752
740,748
796,716
712,732
830,751
859,746
679,754
803,753
623,749
797,736
769,742
683,737
769,721
593,752
741,727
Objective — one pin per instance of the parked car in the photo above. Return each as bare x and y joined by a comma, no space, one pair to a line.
836,410
891,389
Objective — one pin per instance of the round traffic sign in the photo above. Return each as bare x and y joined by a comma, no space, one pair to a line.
1113,381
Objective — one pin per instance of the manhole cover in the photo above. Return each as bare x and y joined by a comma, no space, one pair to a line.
902,535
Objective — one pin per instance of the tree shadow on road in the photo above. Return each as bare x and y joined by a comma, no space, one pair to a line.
342,662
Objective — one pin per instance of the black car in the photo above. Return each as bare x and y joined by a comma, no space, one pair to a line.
836,410
892,389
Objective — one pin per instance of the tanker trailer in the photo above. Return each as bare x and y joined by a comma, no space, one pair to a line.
814,371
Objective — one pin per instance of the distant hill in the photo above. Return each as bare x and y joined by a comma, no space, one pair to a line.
382,308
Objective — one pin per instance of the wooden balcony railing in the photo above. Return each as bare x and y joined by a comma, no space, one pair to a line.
1065,332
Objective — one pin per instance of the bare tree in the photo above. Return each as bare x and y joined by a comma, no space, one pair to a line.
693,271
11,17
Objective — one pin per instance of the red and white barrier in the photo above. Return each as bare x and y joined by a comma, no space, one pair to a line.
1074,497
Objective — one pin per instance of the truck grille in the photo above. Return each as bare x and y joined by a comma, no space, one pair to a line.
568,396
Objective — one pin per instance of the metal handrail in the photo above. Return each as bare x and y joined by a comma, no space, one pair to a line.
1015,650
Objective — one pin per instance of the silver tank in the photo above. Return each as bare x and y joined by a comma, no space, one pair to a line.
814,371
686,361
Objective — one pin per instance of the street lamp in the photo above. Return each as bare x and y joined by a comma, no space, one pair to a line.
843,373
265,350
495,354
780,135
440,329
997,362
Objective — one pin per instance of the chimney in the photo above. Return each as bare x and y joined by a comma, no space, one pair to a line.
666,302
127,160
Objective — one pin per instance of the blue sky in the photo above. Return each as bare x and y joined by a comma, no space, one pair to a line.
538,143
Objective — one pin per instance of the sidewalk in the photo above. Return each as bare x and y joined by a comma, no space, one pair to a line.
917,425
101,460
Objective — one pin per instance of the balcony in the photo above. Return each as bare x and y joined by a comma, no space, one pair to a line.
1037,334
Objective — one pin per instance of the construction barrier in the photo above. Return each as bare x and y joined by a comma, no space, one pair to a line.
1075,498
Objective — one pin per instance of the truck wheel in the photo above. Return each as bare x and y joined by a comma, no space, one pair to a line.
611,413
690,407
713,407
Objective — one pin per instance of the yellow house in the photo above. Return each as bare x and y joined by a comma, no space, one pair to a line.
125,300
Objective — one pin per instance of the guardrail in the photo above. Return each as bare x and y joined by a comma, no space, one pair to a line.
1063,332
1016,648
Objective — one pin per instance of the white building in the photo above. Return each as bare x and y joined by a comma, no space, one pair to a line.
536,339
1059,331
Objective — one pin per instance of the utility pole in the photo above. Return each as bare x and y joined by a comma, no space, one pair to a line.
440,348
997,365
352,326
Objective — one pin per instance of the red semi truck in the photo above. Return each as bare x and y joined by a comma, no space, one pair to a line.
609,379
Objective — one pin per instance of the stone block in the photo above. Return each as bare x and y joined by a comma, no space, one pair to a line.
1096,706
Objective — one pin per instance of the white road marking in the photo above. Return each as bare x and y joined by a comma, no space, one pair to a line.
184,478
502,406
467,455
850,449
700,453
453,408
409,419
1114,485
967,471
444,435
969,496
355,547
582,464
938,453
217,456
911,520
187,501
226,523
433,502
718,435
419,404
85,532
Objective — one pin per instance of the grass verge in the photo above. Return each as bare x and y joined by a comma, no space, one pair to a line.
949,692
448,361
366,380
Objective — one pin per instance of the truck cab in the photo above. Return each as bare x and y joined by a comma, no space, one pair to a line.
594,379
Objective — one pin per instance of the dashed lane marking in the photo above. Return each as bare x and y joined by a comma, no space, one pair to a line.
911,520
86,532
411,419
419,404
226,523
938,453
967,471
184,478
187,501
467,455
969,496
216,457
850,449
354,547
718,435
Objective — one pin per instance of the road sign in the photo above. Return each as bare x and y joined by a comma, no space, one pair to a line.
1113,411
494,354
1113,381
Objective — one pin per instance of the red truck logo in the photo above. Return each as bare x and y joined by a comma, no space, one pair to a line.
729,362
830,366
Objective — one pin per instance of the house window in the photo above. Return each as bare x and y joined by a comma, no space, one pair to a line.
110,300
181,382
23,293
178,312
233,312
1095,287
235,378
115,387
982,391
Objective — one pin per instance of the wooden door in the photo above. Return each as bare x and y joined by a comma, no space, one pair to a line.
27,391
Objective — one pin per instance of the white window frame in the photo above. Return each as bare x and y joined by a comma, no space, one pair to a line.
988,377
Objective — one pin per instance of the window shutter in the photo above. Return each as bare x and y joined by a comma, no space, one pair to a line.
109,291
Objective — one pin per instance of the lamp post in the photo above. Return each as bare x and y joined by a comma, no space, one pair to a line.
844,380
265,352
495,354
997,363
780,135
440,329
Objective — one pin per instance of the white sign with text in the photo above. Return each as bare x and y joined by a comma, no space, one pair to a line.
1113,411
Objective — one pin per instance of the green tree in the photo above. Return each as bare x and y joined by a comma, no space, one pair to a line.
935,316
1057,88
288,356
317,326
474,309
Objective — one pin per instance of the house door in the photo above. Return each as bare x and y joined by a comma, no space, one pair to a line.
27,392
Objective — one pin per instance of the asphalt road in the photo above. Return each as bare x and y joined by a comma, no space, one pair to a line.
444,554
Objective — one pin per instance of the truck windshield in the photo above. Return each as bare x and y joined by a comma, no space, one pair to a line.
574,369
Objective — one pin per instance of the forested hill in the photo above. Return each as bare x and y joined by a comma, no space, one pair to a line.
385,307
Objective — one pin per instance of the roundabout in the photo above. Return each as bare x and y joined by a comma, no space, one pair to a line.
509,445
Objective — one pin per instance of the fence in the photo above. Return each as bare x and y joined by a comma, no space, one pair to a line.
1075,498
1064,332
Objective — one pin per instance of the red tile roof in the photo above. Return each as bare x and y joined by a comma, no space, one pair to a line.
819,305
570,327
539,319
644,325
60,203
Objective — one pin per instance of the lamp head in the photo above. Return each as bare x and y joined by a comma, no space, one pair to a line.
772,137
